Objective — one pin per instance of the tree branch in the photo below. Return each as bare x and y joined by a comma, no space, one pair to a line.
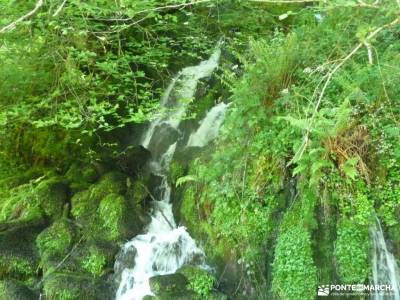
12,25
59,9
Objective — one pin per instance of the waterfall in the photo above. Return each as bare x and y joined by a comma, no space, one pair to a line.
384,265
209,126
165,247
178,95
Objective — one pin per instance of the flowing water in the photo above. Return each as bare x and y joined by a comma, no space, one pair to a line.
209,126
384,265
165,247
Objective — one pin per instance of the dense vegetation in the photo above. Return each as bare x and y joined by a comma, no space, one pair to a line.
307,159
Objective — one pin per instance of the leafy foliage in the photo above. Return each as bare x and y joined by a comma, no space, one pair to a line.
351,252
293,265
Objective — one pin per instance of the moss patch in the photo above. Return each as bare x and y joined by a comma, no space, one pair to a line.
19,257
85,203
74,286
14,290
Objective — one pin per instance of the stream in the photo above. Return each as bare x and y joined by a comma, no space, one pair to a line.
165,247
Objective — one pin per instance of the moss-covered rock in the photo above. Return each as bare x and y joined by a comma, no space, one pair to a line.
117,220
32,200
172,286
54,243
75,286
80,177
19,203
85,203
137,192
56,239
19,257
14,290
168,283
51,195
176,170
201,282
95,261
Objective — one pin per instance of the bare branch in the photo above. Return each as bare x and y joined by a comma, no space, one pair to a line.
182,5
12,25
301,150
369,50
59,9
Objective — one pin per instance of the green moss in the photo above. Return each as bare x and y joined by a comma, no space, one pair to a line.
19,267
18,254
352,252
85,203
28,201
166,284
14,290
51,195
55,240
139,192
94,262
80,177
200,281
111,212
75,286
176,170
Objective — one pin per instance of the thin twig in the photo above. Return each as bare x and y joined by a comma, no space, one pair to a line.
12,25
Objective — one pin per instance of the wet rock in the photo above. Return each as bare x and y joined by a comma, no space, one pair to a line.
132,159
124,260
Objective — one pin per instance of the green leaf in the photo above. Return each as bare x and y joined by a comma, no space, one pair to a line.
185,179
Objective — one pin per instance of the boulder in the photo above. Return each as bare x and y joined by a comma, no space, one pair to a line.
51,196
86,202
19,257
76,286
118,221
46,197
54,243
80,177
171,287
14,290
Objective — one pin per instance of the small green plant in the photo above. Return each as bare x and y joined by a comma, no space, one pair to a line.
94,262
202,284
351,252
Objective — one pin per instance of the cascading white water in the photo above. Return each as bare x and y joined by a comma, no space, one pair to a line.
209,127
384,265
179,93
165,247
